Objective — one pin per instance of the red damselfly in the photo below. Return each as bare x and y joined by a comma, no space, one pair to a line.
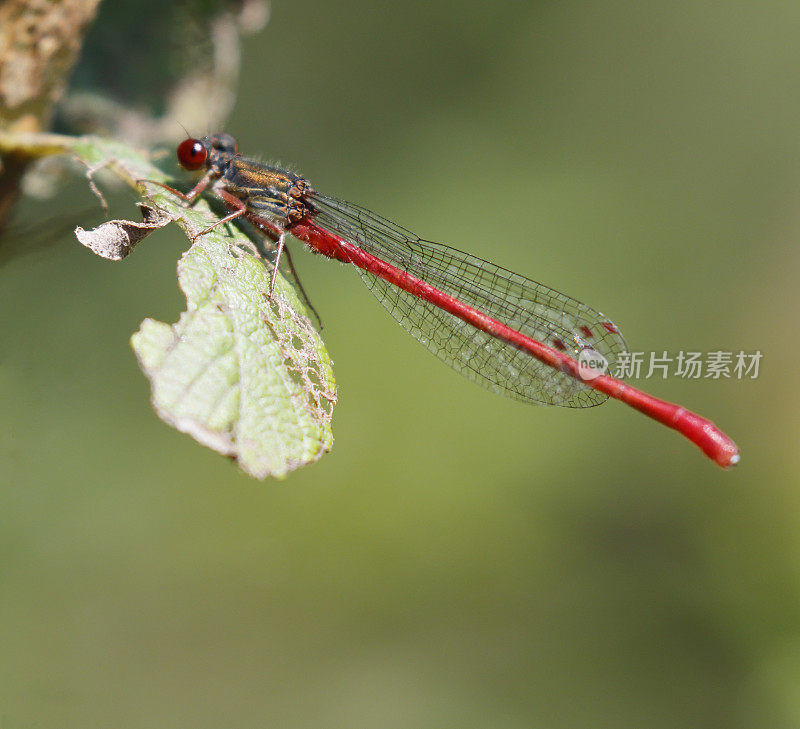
502,330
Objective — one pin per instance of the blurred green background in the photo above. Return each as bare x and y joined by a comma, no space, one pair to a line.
458,560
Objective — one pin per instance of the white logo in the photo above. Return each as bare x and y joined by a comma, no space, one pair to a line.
591,364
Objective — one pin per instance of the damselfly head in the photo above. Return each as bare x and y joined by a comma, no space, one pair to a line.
192,154
222,142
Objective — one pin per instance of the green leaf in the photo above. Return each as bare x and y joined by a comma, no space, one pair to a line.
241,373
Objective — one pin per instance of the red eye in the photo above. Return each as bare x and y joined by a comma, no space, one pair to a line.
191,154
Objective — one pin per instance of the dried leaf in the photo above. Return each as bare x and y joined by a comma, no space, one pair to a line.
116,239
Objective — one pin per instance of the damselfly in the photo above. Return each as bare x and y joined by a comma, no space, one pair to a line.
498,328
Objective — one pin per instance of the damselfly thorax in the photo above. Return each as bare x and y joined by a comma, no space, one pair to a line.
266,190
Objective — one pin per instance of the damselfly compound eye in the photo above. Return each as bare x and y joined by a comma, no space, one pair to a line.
191,154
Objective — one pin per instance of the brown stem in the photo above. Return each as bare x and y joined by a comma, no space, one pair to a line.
39,43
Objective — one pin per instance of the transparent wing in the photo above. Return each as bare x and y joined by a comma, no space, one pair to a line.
527,306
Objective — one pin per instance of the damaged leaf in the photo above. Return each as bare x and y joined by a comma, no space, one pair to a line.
242,374
115,239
